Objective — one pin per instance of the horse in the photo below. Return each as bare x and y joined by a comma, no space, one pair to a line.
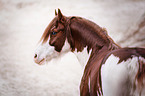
110,70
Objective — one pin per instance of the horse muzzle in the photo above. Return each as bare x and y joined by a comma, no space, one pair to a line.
38,60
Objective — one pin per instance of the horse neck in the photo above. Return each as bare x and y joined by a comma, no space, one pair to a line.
84,35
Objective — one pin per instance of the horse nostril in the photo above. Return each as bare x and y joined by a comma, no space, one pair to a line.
35,56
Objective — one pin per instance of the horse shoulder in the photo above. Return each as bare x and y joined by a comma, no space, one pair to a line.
123,73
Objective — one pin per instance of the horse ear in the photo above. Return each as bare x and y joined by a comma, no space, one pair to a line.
55,13
60,15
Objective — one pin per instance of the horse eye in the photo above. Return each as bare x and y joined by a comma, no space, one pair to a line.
54,33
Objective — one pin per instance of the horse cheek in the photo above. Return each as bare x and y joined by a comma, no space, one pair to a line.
52,41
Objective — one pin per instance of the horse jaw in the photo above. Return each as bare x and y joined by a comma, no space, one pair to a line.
45,52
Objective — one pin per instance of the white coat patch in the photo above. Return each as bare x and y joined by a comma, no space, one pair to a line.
118,79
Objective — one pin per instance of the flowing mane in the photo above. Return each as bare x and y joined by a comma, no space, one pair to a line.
84,33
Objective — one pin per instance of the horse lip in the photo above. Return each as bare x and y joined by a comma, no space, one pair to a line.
39,62
42,61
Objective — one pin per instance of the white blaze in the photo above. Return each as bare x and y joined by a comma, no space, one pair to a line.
45,52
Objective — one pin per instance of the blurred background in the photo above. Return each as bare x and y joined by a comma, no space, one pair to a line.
22,23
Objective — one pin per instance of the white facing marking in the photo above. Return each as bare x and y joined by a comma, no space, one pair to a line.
45,51
118,79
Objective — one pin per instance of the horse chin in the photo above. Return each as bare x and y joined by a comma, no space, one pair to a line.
45,60
40,62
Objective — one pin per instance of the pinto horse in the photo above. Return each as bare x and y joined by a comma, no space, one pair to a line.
110,69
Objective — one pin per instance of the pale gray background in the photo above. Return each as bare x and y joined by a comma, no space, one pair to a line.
22,23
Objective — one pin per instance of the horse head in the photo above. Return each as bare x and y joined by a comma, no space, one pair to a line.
53,41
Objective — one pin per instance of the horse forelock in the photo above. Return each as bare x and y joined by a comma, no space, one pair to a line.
46,33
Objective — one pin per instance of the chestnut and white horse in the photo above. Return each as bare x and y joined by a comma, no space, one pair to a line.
110,69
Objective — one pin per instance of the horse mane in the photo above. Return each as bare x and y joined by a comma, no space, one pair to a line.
92,74
92,35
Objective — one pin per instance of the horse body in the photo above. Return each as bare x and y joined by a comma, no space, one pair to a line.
79,35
